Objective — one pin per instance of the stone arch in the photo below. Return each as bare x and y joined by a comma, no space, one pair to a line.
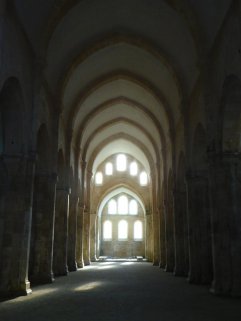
115,247
231,115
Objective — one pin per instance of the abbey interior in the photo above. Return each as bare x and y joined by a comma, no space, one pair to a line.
120,137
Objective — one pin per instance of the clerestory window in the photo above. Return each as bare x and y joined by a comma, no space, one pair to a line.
122,230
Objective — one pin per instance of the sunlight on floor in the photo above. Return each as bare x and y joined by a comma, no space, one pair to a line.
88,286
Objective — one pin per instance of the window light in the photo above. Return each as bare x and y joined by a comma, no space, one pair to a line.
109,169
99,178
138,230
122,230
107,230
133,169
112,207
133,207
143,178
121,162
123,205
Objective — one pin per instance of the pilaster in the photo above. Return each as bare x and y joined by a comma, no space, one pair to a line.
61,231
16,186
199,227
225,182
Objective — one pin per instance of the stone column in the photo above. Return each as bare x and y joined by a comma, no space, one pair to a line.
86,237
149,236
72,233
180,233
42,238
169,233
16,187
61,231
225,181
79,236
162,263
199,228
156,241
93,237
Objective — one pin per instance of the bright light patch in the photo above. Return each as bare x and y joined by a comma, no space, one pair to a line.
109,169
88,286
121,162
133,169
143,179
122,230
99,178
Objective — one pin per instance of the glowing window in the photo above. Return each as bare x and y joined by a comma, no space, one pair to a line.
143,178
121,163
123,205
122,230
108,169
138,230
112,207
99,178
133,207
133,169
107,230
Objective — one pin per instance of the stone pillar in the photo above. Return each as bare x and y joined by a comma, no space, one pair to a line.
162,263
199,228
225,181
169,233
79,236
180,234
156,240
16,187
61,231
72,233
93,237
86,237
41,258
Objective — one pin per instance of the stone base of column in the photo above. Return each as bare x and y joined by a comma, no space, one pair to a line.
23,290
168,268
42,278
215,290
178,272
80,264
155,263
86,262
63,272
72,266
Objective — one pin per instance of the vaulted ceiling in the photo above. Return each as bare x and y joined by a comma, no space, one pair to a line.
122,69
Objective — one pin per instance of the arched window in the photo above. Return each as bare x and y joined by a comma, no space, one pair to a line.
122,230
107,230
122,205
99,178
108,169
133,169
121,162
138,230
133,207
143,178
112,207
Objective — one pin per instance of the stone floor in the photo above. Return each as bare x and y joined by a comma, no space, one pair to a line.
121,291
